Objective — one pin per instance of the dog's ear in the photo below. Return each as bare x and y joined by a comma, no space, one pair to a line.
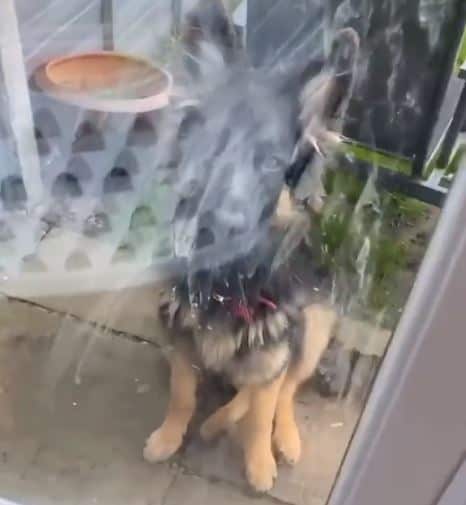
345,52
323,100
317,99
209,36
325,96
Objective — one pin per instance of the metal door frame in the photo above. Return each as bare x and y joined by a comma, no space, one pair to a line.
410,445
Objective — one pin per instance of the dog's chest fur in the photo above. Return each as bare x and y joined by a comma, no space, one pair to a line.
247,348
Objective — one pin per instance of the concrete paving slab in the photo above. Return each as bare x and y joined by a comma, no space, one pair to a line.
193,490
82,402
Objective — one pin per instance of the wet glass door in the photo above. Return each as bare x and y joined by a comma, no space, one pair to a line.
244,190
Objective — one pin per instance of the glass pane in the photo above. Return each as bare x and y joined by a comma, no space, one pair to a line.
229,191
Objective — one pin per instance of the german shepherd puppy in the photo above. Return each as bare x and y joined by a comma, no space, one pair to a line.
247,317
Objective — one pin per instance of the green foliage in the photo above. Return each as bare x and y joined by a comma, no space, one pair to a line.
461,58
345,223
333,230
389,259
399,209
389,256
337,181
332,225
459,155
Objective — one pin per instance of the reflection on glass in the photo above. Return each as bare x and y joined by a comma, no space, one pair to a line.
166,233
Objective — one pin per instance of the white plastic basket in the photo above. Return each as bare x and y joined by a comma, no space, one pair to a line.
81,208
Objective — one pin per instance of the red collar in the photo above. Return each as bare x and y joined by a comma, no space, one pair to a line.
243,311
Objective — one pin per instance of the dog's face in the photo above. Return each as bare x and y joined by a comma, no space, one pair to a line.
235,153
210,22
231,171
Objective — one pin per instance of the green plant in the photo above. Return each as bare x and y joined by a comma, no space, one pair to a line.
354,219
333,229
389,259
343,183
400,210
459,155
331,226
461,58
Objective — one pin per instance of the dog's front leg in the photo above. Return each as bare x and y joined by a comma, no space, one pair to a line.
256,435
165,441
228,415
319,322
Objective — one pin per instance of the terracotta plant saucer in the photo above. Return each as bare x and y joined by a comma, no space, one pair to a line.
105,81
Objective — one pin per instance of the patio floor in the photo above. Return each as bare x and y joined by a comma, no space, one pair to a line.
77,403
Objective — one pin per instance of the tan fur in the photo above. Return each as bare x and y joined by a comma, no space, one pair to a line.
254,408
314,101
256,435
320,320
216,352
260,400
319,323
165,441
286,211
262,397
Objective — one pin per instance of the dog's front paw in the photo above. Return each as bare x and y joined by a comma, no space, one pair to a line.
161,445
287,443
261,470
